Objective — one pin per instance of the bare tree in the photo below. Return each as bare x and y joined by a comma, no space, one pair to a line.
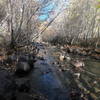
81,23
2,12
22,21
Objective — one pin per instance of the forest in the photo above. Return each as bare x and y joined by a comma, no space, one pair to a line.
49,49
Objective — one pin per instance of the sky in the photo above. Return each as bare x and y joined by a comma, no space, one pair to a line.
51,8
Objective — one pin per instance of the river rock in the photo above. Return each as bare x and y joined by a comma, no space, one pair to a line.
83,53
62,57
77,75
78,64
7,85
68,58
97,51
30,59
61,47
22,68
70,50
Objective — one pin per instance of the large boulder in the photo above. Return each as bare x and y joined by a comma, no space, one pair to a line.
22,68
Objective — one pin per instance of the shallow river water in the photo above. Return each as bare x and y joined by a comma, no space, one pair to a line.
53,83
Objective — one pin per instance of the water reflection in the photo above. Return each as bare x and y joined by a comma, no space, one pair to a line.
45,81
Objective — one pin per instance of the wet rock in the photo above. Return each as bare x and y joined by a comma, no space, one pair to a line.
68,58
22,68
70,50
64,69
62,57
89,53
7,86
61,47
77,75
60,70
78,64
95,82
75,50
29,58
78,51
97,51
83,53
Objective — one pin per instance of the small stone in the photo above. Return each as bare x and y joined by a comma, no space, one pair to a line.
61,47
83,53
77,74
62,57
95,82
60,70
68,58
90,52
78,64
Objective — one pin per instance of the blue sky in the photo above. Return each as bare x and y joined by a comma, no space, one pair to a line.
50,6
46,11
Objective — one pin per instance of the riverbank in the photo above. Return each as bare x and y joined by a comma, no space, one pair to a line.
53,75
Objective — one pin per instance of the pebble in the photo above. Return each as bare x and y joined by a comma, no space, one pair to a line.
77,74
62,57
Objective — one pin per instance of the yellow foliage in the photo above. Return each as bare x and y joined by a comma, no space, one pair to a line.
98,4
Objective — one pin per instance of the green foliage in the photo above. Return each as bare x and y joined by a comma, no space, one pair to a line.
98,6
